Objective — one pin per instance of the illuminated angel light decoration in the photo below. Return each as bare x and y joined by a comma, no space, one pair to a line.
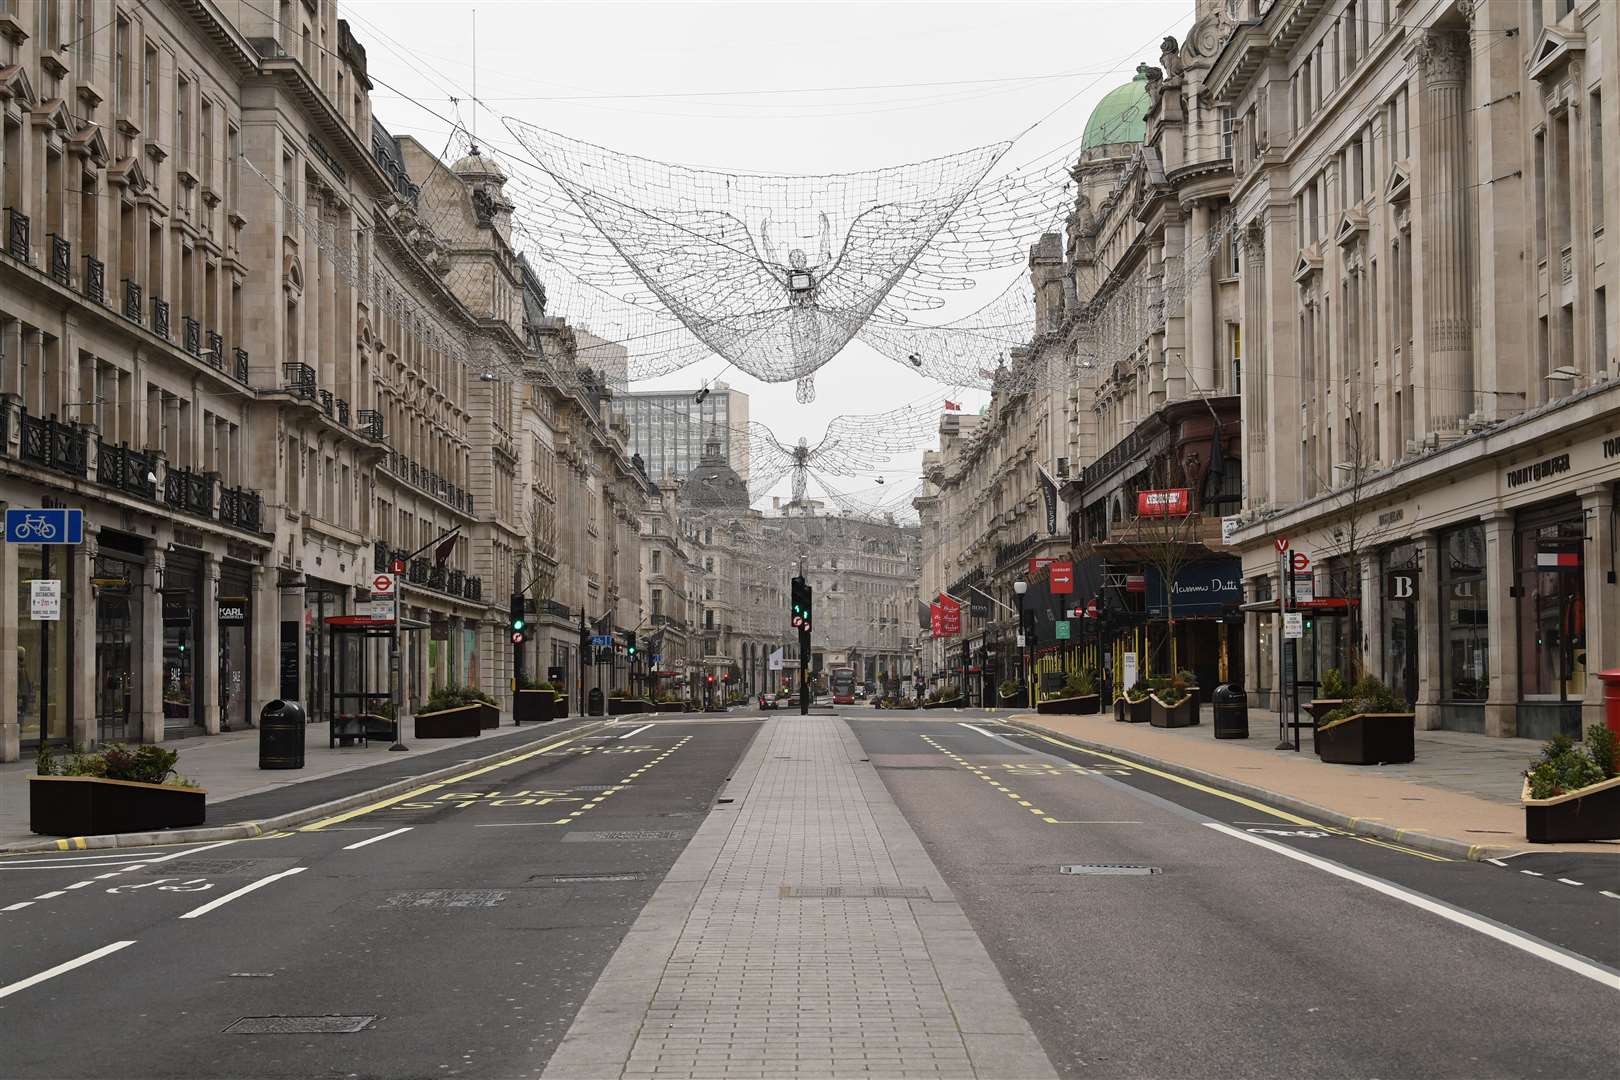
852,446
775,273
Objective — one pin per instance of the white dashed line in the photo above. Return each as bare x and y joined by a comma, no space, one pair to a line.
1496,862
243,891
374,839
638,731
50,895
51,973
1610,895
81,884
19,906
1532,873
1566,881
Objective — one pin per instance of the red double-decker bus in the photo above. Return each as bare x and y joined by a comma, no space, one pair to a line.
841,681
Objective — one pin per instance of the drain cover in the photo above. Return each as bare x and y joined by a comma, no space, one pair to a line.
446,898
213,867
572,879
855,892
621,835
594,787
299,1025
1107,868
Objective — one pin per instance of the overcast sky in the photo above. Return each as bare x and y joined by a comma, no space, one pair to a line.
698,84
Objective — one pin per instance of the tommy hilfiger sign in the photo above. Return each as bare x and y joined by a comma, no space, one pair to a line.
1541,470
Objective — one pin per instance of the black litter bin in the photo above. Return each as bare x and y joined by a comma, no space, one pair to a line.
1231,712
597,707
281,735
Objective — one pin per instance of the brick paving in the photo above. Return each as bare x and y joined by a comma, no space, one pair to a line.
731,971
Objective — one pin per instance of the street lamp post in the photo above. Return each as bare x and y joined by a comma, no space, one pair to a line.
1021,587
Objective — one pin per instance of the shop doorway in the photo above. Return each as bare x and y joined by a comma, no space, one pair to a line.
118,635
44,656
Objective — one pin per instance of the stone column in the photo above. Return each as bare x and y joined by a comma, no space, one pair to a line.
151,659
264,641
205,668
82,635
1502,700
1602,599
10,729
1372,610
1200,333
1448,305
1428,618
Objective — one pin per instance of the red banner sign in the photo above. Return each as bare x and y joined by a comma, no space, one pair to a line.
950,617
1136,583
1062,577
1169,502
936,620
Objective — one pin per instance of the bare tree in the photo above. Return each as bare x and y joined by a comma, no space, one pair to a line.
1354,532
1165,538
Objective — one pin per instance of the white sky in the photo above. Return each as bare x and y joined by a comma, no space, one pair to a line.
687,82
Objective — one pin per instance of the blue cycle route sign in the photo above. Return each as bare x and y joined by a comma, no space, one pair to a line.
25,526
602,641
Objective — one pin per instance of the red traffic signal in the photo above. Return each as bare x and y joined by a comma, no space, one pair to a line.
711,680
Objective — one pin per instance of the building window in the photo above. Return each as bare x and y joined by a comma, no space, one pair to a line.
1600,331
1234,339
1552,606
1465,608
1599,166
1227,122
1400,619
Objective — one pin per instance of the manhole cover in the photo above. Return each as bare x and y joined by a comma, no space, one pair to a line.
622,835
214,867
854,892
1108,869
446,898
299,1025
594,787
572,879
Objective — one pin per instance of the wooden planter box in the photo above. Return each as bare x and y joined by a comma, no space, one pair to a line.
1138,712
948,703
91,806
1591,813
462,722
1079,705
1012,701
533,706
1320,707
669,706
559,707
1183,713
624,706
1367,739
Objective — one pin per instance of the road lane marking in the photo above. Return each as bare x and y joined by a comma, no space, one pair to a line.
81,884
18,906
1497,862
638,731
1532,873
1566,881
51,895
374,839
1588,969
220,901
1610,895
62,969
347,815
975,727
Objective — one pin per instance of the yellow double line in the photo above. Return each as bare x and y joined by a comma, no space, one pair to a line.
349,815
1283,815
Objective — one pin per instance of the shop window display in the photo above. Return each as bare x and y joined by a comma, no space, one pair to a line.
1464,616
1552,609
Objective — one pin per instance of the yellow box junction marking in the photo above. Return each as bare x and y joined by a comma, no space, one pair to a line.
417,793
984,775
1239,799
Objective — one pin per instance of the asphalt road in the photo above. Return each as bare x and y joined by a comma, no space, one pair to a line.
1262,946
469,939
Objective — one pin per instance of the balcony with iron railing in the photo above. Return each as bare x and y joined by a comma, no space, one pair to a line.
298,380
371,423
191,335
134,310
240,356
160,318
19,236
325,397
241,508
51,444
342,412
189,491
130,471
95,279
61,268
216,350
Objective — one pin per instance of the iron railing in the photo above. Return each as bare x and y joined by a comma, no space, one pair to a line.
191,334
342,412
473,588
132,301
160,317
241,508
418,570
190,491
51,444
241,357
454,581
371,423
299,380
379,558
125,469
216,350
61,260
18,236
326,401
95,279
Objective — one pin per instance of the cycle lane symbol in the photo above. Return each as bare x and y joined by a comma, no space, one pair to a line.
192,885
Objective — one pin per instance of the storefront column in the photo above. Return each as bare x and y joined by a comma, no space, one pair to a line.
1371,616
205,669
1251,656
1428,620
1602,599
151,658
82,633
10,729
264,661
1502,699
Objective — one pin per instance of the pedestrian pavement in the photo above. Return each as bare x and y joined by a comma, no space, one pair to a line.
804,932
1461,787
227,767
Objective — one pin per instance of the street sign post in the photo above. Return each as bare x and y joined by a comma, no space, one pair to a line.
29,526
45,600
1293,624
602,641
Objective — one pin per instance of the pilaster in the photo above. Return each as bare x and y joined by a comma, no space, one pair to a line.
264,641
1428,619
151,659
10,728
1502,699
82,632
1448,307
205,669
1602,598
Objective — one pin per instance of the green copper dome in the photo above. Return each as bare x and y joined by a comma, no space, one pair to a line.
1119,117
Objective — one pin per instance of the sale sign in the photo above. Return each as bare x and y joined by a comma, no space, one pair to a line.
1169,502
1062,580
936,619
950,616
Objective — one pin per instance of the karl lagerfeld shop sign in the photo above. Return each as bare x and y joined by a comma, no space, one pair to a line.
1541,470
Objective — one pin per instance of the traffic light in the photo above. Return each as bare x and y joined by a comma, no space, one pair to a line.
801,605
518,623
630,642
711,680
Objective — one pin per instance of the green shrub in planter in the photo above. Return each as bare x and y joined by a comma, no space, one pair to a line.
1564,767
1572,793
115,789
1333,684
1367,696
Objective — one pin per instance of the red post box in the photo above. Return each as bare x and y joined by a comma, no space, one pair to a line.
1611,699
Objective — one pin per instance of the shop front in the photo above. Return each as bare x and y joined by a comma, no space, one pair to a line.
235,609
1550,594
1398,615
181,596
118,582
